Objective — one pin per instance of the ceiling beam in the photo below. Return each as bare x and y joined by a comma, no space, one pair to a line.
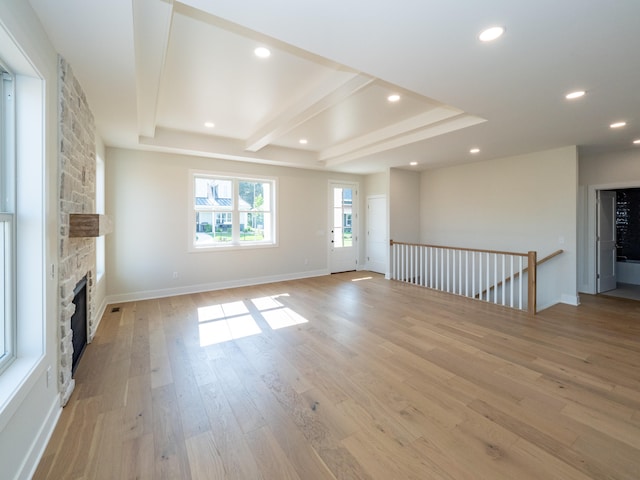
225,148
430,117
429,131
151,29
319,97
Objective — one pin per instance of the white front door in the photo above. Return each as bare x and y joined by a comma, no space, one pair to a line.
606,241
343,215
377,243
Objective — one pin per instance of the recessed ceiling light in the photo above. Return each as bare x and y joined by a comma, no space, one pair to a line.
491,34
474,150
393,98
413,164
262,52
618,125
303,141
637,142
209,124
574,95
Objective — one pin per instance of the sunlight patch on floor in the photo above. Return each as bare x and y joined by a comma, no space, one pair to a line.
229,321
284,317
276,314
223,322
219,331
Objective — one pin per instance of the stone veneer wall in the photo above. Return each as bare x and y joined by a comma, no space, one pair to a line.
77,169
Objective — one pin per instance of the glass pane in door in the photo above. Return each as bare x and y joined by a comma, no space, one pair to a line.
342,217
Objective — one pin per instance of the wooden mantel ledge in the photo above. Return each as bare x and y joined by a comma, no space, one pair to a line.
89,225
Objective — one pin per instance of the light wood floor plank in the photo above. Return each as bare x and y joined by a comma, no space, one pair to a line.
330,378
204,458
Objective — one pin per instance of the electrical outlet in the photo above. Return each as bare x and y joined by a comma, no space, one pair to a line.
175,275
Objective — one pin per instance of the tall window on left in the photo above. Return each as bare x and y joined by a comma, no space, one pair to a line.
7,210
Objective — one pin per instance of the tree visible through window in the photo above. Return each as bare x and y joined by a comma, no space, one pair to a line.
232,211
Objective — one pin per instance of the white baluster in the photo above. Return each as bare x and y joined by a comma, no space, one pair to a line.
473,274
504,278
511,284
466,273
448,281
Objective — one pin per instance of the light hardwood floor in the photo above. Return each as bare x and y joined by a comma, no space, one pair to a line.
370,379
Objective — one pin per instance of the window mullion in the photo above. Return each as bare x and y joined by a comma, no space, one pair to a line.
235,214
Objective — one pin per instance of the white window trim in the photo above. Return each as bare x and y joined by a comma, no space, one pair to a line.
235,177
29,190
7,204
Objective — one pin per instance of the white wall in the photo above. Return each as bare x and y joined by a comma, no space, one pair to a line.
599,171
404,205
377,184
610,168
29,403
516,204
147,196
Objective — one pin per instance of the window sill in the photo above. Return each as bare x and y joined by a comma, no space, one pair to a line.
232,247
15,383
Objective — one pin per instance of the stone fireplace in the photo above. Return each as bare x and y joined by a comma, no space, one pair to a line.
77,189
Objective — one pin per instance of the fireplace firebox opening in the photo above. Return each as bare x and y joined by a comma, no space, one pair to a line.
79,322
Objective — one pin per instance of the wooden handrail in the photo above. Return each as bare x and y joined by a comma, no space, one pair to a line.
393,242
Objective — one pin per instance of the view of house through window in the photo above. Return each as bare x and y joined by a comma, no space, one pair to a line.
233,211
342,213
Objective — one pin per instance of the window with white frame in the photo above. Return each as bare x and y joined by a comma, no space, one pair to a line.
232,211
7,187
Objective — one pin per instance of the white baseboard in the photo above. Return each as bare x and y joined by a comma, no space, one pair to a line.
573,300
375,267
32,459
570,299
207,287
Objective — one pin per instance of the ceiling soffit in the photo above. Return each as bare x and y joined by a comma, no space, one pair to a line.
192,68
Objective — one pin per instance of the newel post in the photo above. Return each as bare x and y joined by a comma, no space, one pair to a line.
532,261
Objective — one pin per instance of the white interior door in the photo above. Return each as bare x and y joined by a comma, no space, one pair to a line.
343,216
606,241
377,243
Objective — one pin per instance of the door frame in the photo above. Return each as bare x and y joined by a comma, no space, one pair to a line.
608,280
588,278
355,225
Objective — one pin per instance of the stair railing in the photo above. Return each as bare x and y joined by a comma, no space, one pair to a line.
487,275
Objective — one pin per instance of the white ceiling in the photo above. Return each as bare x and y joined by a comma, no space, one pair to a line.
155,70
